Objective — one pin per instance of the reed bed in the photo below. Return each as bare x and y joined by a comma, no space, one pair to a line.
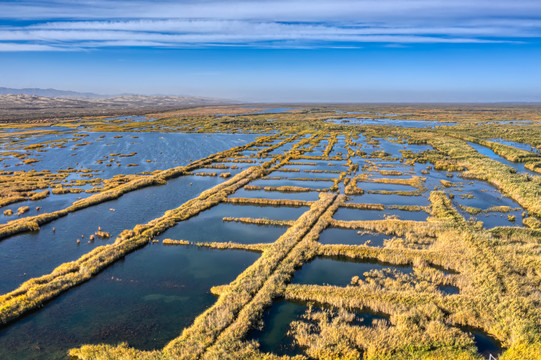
216,166
233,246
391,256
414,181
418,192
264,222
213,174
284,189
217,245
297,178
268,202
291,170
302,163
391,173
352,188
17,186
389,227
330,145
175,242
360,206
319,158
408,207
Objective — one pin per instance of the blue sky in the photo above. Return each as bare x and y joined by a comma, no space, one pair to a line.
278,51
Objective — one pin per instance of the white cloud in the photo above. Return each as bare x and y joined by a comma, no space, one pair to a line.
296,23
284,10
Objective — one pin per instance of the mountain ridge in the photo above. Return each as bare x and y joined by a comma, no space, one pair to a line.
50,92
28,107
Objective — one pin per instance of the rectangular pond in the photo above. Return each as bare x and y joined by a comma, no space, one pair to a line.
351,237
389,199
262,194
347,214
209,226
338,271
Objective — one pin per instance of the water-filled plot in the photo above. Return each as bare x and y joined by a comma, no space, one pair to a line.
352,237
389,199
449,289
489,205
276,320
273,336
262,194
146,300
338,271
380,186
348,214
209,226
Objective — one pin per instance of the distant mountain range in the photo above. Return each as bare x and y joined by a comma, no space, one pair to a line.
32,104
49,93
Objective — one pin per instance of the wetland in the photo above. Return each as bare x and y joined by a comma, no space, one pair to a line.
273,232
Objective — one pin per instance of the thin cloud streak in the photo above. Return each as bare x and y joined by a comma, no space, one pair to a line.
516,29
295,10
13,47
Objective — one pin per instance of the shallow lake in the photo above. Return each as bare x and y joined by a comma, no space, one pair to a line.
164,150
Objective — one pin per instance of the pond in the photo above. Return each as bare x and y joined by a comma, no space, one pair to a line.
208,226
348,214
273,336
338,271
262,194
352,237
